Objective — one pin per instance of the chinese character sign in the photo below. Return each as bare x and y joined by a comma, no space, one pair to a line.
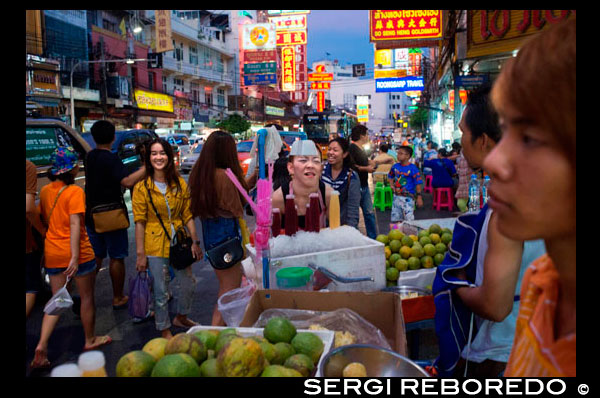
288,69
291,37
289,22
405,24
320,101
163,31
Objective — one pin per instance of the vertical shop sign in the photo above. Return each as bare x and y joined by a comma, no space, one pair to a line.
288,68
320,101
163,31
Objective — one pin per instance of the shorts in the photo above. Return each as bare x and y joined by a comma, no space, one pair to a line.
33,269
403,209
84,269
116,243
218,230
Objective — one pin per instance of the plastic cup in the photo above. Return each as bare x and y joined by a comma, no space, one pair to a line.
92,364
66,370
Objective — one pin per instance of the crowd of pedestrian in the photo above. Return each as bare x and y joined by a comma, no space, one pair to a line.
519,284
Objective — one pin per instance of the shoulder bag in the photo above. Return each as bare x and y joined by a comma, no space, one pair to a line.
226,254
110,217
180,252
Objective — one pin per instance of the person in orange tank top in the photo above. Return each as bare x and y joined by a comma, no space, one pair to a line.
67,249
533,193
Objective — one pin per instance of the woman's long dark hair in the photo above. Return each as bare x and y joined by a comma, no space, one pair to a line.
171,173
348,160
219,152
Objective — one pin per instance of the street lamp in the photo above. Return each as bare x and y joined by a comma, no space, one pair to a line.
126,60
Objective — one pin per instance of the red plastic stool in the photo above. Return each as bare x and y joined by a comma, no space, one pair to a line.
428,187
440,200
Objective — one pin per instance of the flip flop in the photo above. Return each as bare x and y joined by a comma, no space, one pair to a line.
103,340
44,365
122,305
178,323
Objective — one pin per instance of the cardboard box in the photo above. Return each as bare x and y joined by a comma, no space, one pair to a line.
382,309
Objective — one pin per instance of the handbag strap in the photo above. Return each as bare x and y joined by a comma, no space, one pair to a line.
156,211
55,201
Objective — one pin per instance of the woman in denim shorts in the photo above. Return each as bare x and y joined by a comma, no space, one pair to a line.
216,200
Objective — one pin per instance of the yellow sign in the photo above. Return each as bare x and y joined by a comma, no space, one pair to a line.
153,101
383,57
385,73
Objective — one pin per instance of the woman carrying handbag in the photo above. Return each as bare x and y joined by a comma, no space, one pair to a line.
67,249
161,210
217,202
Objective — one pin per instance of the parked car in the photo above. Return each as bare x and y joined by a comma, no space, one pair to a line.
181,141
188,161
244,155
43,136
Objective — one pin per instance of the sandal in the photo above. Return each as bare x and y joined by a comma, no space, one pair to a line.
187,323
99,341
122,305
41,364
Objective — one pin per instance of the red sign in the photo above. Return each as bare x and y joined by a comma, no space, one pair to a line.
320,86
288,69
288,38
320,101
405,24
260,55
318,77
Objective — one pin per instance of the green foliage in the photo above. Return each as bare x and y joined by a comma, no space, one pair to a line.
234,124
419,118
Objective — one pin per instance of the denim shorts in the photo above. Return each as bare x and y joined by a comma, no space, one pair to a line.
115,243
219,230
83,269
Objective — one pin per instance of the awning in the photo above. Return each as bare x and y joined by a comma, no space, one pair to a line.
47,102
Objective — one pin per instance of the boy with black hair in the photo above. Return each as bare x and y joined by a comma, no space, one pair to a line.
105,174
407,184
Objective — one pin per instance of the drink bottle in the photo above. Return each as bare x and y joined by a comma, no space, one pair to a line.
484,189
473,194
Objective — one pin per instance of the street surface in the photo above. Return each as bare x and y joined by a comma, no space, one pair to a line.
67,340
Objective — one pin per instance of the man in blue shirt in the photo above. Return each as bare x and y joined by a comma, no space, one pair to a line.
407,184
442,169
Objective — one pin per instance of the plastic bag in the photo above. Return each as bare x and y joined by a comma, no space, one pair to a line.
350,327
232,305
59,302
140,295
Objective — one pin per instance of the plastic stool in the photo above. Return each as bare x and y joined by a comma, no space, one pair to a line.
388,196
379,197
428,187
440,200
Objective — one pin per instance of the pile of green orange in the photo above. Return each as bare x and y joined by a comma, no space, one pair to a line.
279,352
410,252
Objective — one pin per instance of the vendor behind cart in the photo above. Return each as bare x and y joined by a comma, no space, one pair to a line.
304,166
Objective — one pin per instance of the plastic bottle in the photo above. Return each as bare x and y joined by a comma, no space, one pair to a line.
92,364
66,370
473,194
334,210
484,189
291,216
276,223
315,213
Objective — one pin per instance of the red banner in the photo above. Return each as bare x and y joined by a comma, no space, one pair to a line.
260,56
320,101
405,24
317,77
320,86
288,38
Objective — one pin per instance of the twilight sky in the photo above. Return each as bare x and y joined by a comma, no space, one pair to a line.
344,34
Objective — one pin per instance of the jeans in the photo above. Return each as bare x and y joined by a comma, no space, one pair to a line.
186,283
368,213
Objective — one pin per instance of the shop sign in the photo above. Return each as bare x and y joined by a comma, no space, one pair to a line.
385,73
183,109
259,36
383,57
40,144
260,56
44,82
292,37
317,77
502,31
471,81
405,24
320,86
261,67
163,31
286,12
288,69
153,101
251,80
462,95
320,101
288,22
275,111
409,83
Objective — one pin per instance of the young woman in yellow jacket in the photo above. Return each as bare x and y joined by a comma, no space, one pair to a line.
171,198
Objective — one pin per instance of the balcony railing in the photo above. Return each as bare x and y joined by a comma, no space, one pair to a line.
196,71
